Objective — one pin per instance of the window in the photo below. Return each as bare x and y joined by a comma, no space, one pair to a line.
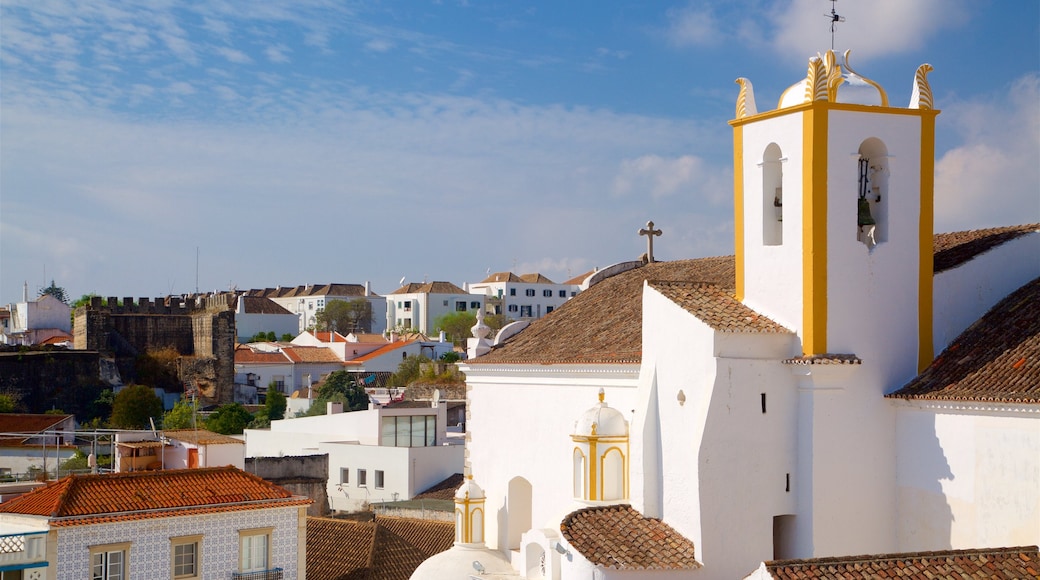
253,549
362,478
400,305
407,305
548,309
445,303
460,306
563,293
529,291
573,294
512,291
310,305
499,292
109,562
474,305
513,308
525,311
185,556
379,479
344,475
408,431
547,293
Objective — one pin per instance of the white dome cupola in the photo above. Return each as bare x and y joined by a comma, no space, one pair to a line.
600,455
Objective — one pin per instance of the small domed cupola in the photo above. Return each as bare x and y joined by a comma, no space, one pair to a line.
469,513
600,455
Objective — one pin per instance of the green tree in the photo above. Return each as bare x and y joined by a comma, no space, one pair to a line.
230,419
457,325
345,316
183,415
343,384
408,371
83,300
259,337
287,337
274,406
55,291
7,403
133,406
451,357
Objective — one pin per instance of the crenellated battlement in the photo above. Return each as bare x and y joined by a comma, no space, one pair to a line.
169,305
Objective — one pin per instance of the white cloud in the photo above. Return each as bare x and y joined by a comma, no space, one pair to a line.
233,55
277,53
181,88
876,28
379,45
993,178
694,25
659,177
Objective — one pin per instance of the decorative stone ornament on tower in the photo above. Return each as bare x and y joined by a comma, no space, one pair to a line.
601,455
479,344
469,514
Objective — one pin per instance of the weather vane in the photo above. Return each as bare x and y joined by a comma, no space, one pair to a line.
835,19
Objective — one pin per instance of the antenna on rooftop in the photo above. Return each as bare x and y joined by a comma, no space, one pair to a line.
835,19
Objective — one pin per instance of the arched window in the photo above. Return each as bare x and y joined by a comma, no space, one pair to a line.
872,201
613,475
772,196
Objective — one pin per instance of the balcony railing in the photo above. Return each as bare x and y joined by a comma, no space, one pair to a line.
272,574
23,550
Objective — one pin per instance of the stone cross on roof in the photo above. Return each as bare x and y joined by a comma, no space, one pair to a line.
649,232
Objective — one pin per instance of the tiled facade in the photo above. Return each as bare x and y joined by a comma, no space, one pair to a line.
150,542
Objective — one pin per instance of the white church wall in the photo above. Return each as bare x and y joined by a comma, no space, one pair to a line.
968,475
519,427
718,442
772,272
963,294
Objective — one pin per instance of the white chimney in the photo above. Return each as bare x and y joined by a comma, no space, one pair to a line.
333,408
441,339
368,288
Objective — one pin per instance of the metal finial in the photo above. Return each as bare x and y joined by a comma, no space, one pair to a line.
835,19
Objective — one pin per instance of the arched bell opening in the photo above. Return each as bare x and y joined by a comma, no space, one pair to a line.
772,196
872,203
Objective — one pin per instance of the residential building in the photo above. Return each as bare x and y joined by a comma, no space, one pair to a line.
307,300
379,455
34,321
785,402
217,522
35,444
524,297
255,314
176,449
417,307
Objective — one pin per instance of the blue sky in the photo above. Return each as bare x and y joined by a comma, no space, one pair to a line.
329,141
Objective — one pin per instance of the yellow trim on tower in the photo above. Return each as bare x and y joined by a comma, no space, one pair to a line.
925,350
814,229
738,208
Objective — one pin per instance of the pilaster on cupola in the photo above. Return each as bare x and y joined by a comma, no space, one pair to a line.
469,514
600,455
833,201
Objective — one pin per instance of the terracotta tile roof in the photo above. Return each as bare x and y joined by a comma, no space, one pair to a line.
604,323
245,354
577,280
29,422
535,278
357,290
312,354
88,499
443,490
501,277
1022,562
824,359
953,249
996,359
429,288
384,549
618,536
380,351
57,339
201,437
258,305
716,308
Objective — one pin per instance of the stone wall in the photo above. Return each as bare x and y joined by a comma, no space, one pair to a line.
201,330
44,379
305,475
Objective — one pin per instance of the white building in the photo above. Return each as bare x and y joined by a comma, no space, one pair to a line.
379,455
417,307
785,402
255,314
192,523
524,297
35,443
35,321
306,301
176,449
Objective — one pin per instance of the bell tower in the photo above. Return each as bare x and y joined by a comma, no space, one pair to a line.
833,198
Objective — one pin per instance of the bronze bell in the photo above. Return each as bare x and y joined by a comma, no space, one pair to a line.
864,218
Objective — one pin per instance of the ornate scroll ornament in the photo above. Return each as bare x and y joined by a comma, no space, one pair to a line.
816,81
881,91
921,97
745,99
834,77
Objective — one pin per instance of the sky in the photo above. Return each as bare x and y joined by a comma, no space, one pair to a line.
165,147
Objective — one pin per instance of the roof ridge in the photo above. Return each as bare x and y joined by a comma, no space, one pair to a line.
889,556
